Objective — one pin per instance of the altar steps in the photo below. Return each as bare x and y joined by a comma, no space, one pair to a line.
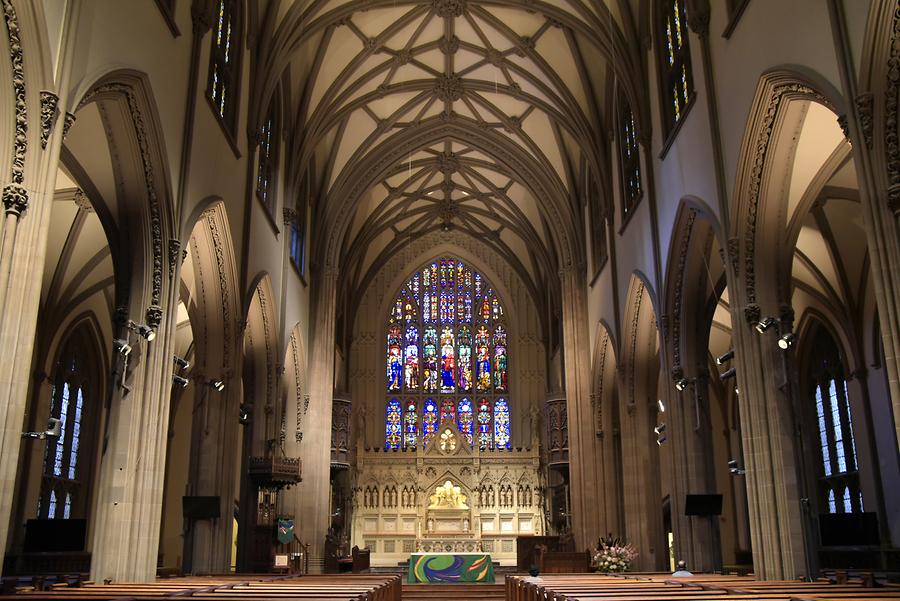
454,592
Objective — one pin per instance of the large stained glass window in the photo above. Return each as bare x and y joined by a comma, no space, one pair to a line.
677,82
832,426
224,70
65,484
447,358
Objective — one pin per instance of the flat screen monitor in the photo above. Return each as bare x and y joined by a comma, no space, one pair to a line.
702,504
849,529
54,536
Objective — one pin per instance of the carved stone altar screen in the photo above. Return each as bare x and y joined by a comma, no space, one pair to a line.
447,497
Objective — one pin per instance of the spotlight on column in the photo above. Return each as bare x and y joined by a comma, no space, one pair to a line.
218,385
142,330
723,359
54,426
181,362
244,414
681,384
734,469
122,347
660,406
765,324
660,432
786,341
728,374
183,382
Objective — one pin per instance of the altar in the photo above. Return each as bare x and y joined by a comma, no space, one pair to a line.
448,497
451,567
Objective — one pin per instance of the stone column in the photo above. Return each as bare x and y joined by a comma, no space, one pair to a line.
872,126
312,515
689,422
32,137
213,457
132,467
769,435
584,485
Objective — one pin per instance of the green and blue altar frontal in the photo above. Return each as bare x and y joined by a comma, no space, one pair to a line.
451,567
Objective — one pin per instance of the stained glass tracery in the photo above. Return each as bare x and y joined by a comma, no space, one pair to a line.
446,337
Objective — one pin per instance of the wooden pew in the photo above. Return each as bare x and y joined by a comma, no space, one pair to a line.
663,587
238,588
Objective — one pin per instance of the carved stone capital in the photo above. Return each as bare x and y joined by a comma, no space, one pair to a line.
752,314
82,202
154,316
15,199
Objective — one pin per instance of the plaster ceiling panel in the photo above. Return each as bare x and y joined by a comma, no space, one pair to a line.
722,315
522,22
845,177
358,81
811,243
849,238
385,107
562,63
359,127
464,60
63,181
411,72
88,144
344,45
62,214
801,272
491,36
505,103
375,21
538,127
527,83
819,137
433,59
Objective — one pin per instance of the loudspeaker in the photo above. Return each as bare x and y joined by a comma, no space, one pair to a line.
849,529
200,508
702,504
54,536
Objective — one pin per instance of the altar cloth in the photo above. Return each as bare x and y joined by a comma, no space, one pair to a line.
451,567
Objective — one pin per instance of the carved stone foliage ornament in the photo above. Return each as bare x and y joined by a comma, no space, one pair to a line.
143,140
18,80
49,112
449,8
449,88
763,142
892,105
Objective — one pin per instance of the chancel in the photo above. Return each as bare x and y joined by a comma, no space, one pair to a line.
451,289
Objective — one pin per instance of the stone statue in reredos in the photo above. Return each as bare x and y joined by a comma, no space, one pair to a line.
448,496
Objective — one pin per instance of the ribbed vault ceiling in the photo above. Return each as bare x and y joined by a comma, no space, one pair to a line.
358,74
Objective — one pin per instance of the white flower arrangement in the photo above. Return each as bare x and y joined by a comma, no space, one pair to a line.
613,556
